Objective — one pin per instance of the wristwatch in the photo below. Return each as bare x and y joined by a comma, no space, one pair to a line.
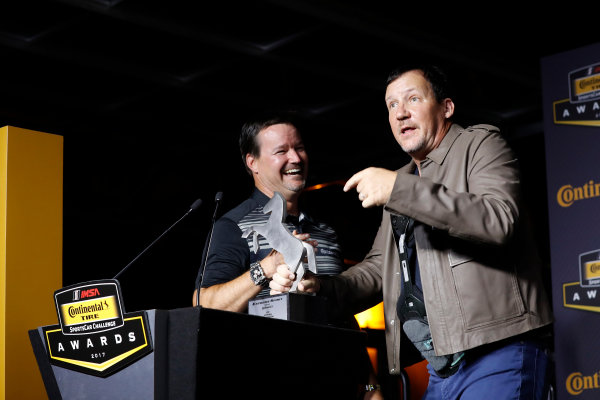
371,387
258,275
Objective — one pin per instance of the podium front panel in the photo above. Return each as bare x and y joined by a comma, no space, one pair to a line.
201,353
242,355
135,381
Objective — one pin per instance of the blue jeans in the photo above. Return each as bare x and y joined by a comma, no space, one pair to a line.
515,371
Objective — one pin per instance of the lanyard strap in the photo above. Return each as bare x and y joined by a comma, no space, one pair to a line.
410,301
401,226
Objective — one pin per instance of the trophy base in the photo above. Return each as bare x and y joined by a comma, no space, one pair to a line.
298,307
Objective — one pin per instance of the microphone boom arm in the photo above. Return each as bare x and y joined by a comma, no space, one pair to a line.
195,205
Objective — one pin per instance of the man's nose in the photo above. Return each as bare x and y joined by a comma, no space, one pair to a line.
293,156
401,112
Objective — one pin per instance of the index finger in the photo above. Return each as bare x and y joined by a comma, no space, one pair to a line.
352,182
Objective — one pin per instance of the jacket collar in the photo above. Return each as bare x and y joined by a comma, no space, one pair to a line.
437,155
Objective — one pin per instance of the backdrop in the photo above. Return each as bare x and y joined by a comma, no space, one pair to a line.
571,101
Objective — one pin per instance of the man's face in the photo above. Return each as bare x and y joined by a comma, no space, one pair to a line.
282,164
417,120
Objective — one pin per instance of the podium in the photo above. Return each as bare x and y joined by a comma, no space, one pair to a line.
201,353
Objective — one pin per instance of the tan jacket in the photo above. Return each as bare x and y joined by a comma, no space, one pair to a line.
479,266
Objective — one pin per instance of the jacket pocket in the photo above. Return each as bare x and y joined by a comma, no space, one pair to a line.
487,294
456,258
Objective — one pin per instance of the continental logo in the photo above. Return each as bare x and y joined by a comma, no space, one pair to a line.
576,383
589,85
592,270
569,194
92,310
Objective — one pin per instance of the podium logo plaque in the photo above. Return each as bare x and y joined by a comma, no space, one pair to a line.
95,336
89,307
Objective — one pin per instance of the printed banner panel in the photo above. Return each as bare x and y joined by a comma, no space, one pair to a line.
571,102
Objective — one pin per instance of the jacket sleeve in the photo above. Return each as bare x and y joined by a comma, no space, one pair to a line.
478,199
360,286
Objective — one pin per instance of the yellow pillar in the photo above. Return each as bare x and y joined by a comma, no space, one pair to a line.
31,182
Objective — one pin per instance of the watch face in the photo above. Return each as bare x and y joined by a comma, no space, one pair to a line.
257,275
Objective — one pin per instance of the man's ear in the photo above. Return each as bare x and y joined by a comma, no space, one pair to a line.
449,108
251,163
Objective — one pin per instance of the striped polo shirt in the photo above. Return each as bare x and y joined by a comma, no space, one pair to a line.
230,254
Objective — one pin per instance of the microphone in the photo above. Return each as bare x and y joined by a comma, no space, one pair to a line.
195,205
218,198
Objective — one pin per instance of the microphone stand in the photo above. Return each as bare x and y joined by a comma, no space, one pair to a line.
218,198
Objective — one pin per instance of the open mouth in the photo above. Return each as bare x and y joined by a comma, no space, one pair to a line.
406,129
293,171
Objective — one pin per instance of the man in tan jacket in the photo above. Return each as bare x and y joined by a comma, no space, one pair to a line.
454,260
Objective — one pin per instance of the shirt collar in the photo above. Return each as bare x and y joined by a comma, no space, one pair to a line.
260,197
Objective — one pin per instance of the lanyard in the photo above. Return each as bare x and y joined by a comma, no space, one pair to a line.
410,301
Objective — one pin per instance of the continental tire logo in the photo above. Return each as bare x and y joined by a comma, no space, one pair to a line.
592,270
576,383
94,310
586,86
569,194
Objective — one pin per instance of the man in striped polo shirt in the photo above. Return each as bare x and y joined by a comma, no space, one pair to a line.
274,155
